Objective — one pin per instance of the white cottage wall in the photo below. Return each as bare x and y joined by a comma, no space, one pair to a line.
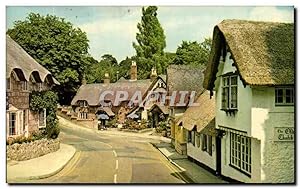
202,156
241,119
277,157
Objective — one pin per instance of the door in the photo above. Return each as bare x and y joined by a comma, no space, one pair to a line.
218,155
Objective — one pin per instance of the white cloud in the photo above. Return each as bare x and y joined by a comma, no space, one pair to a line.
272,14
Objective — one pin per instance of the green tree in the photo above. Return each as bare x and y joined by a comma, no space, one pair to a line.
151,42
58,46
193,53
108,64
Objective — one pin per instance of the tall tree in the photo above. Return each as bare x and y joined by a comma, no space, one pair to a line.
108,64
58,46
151,42
193,53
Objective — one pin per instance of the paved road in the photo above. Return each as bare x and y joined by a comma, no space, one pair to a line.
102,158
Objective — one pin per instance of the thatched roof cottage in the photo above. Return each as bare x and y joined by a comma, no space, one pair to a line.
251,70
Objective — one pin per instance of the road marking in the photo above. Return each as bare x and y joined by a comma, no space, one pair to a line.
115,153
115,178
117,164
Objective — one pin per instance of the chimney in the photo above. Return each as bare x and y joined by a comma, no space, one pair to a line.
133,71
106,79
153,75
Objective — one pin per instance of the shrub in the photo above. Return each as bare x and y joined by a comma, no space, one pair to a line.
48,100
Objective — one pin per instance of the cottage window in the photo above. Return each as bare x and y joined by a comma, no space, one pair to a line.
83,115
198,140
24,119
229,92
42,118
8,83
284,96
40,86
207,143
240,152
193,138
12,123
83,103
204,142
24,85
189,136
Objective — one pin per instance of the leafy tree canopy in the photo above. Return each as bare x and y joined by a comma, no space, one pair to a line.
58,46
193,53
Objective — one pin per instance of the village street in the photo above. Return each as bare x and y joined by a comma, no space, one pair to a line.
104,158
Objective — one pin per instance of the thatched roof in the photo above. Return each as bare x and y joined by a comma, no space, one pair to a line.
107,110
201,116
184,78
91,92
263,52
23,64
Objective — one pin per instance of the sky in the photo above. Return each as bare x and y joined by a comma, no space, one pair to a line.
112,29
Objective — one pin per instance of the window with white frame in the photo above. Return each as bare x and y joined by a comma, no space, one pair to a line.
284,96
24,85
83,103
83,115
12,123
229,92
240,152
42,118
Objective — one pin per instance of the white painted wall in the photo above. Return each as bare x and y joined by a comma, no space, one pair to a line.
277,157
272,161
202,156
242,118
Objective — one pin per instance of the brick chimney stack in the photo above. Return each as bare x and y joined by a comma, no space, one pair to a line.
83,81
153,74
106,78
133,71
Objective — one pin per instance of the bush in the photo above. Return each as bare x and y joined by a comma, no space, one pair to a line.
48,100
162,126
53,133
112,123
36,135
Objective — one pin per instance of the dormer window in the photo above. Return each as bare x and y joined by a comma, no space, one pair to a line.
284,96
83,103
229,92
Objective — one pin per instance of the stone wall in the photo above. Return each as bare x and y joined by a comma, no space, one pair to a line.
26,151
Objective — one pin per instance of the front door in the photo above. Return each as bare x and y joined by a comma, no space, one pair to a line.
218,154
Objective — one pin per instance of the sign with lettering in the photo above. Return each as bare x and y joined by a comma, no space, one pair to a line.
283,134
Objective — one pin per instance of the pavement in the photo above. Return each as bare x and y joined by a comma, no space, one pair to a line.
20,171
194,172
